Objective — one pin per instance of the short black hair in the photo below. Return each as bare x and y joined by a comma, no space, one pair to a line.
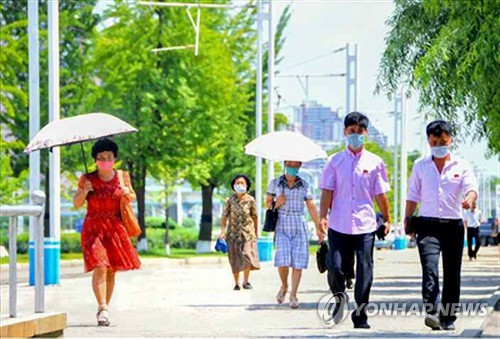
244,176
438,127
104,145
356,118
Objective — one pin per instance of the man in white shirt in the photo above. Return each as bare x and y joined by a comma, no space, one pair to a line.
472,220
443,184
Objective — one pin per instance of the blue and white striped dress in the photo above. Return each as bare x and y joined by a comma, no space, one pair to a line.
292,235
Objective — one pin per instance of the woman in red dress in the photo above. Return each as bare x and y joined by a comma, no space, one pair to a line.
106,245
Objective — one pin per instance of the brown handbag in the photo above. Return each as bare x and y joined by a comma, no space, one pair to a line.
128,216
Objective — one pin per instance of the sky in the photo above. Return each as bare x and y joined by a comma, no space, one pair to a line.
318,27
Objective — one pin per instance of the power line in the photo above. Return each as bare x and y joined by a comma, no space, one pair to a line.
316,58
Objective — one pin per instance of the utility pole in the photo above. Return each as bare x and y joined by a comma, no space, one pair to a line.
399,202
404,167
258,111
351,90
53,244
34,120
270,83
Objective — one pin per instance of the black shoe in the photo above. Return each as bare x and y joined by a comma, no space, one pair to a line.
247,286
236,287
349,283
433,322
340,306
448,325
363,326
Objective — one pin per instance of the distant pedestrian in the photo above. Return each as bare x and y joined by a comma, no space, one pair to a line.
443,184
105,243
291,194
472,220
240,229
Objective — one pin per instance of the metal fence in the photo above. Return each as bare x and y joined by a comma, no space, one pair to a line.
35,211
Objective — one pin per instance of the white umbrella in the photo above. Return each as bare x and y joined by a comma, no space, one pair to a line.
285,145
78,129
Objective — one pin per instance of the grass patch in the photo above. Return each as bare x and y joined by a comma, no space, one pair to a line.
24,258
178,253
175,253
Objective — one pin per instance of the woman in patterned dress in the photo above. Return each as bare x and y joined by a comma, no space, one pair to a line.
290,192
240,216
106,246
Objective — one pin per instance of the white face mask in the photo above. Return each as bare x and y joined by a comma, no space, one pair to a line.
240,188
440,151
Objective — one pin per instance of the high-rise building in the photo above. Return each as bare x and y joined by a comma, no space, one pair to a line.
320,123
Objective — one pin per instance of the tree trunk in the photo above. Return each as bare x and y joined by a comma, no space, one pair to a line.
205,235
167,228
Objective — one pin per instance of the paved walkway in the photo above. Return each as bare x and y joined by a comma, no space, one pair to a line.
172,300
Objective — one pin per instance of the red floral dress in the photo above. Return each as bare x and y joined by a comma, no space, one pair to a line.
104,239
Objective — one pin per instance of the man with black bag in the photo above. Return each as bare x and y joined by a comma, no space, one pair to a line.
351,180
443,184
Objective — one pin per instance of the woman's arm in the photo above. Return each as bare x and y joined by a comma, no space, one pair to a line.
223,227
226,212
269,200
79,198
256,225
320,231
311,207
84,187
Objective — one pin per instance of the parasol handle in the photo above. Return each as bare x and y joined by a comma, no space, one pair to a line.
84,161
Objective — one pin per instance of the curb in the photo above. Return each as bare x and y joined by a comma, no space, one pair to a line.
180,261
147,263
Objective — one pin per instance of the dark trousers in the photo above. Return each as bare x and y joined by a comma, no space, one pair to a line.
473,233
348,268
340,256
434,238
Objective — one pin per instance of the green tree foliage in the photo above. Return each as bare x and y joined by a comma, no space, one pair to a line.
77,23
448,51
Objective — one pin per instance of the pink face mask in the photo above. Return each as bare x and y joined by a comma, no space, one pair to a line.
104,165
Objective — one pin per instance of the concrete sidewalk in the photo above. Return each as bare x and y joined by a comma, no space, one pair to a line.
172,300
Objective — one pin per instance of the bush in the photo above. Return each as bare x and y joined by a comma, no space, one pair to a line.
71,243
188,223
156,238
184,238
159,222
179,238
22,242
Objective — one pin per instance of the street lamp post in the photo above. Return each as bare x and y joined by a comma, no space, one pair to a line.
34,120
53,243
270,82
258,110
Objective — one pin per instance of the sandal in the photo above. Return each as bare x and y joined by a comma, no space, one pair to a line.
102,317
280,297
294,302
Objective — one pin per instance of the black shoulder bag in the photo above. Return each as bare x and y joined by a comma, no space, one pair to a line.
271,218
